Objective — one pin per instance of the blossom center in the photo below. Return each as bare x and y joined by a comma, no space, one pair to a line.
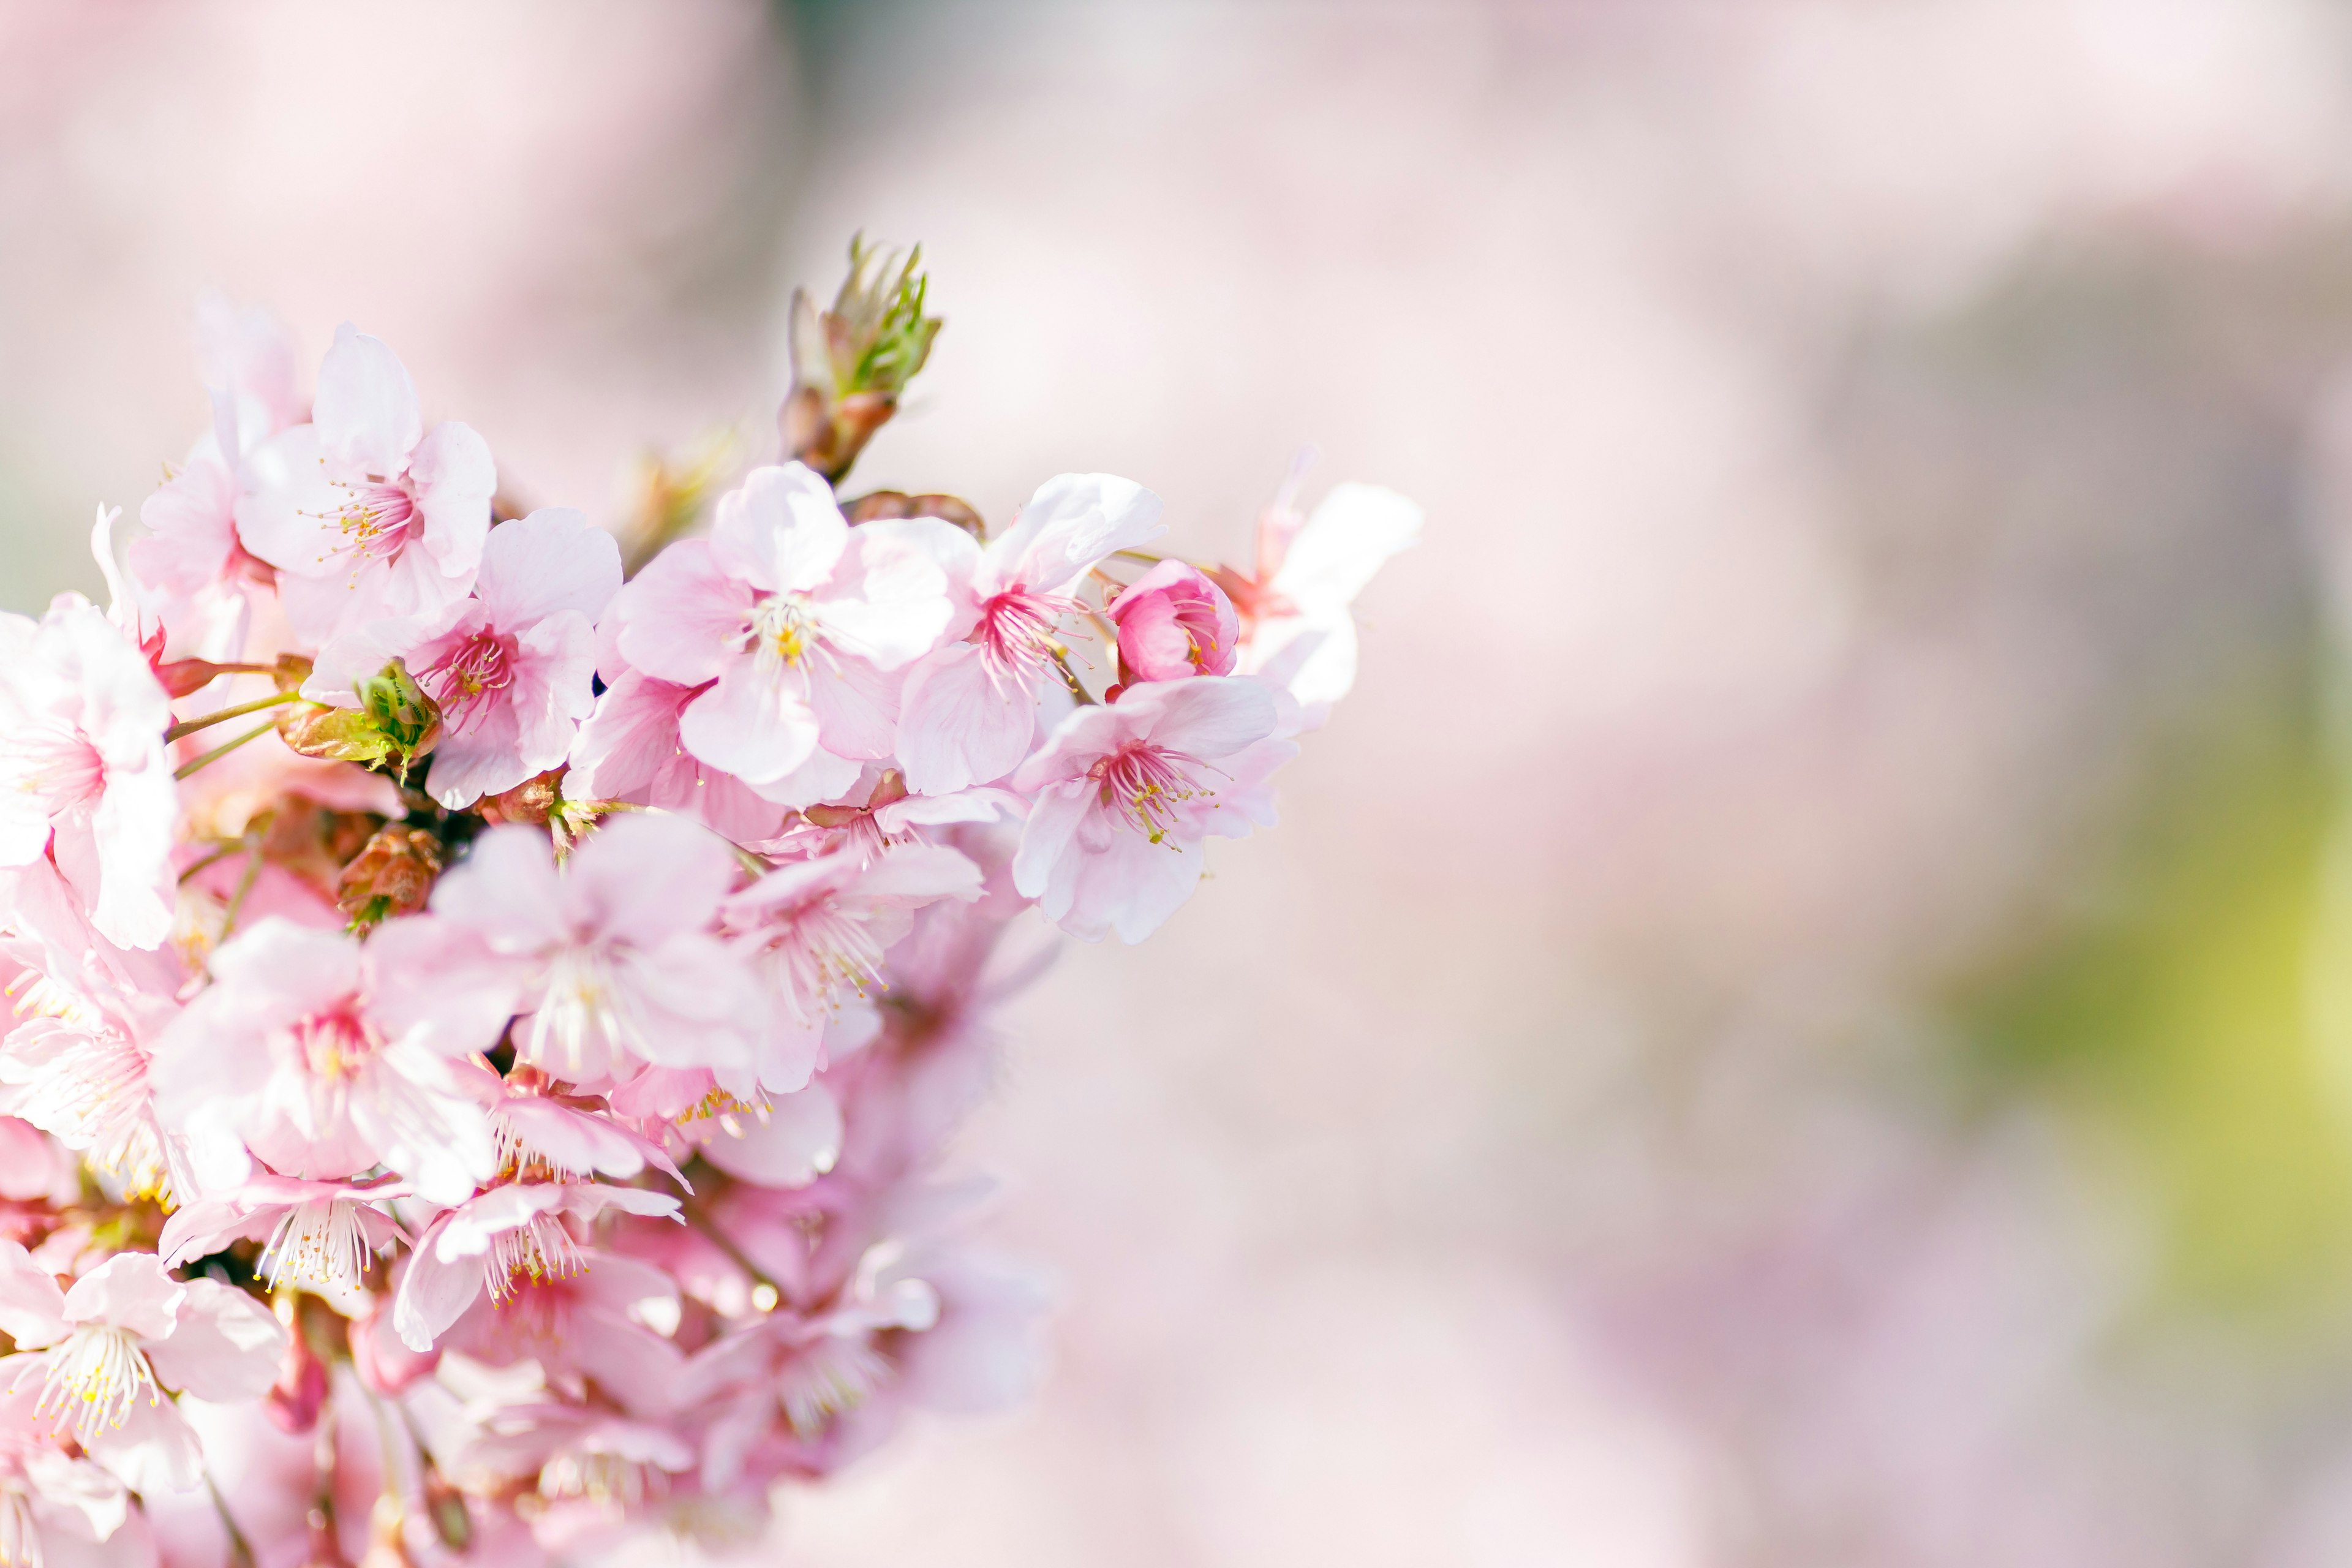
1018,633
582,1016
816,951
781,627
465,678
1145,784
20,1538
54,764
96,1377
335,1045
538,1251
373,518
319,1241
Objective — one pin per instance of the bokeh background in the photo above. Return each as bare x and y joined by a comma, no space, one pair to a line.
1802,1013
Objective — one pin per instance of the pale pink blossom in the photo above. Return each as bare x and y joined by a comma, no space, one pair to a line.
970,710
367,515
325,1058
192,570
795,621
512,668
78,1074
1126,793
614,959
492,1241
320,1234
567,1139
815,933
1302,631
1174,623
591,1317
803,1371
887,816
84,779
106,1355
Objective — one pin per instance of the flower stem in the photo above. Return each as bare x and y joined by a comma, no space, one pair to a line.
190,726
185,769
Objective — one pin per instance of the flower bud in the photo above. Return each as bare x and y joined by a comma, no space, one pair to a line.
394,725
883,504
294,1401
392,875
850,363
1173,622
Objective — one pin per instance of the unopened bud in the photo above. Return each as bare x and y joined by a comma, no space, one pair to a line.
294,1401
530,803
394,726
392,875
851,363
882,504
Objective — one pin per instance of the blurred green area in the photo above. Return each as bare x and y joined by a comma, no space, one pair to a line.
2182,1016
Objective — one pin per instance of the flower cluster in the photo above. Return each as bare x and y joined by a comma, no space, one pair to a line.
485,1024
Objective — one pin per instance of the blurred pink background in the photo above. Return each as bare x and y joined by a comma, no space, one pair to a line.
1795,1017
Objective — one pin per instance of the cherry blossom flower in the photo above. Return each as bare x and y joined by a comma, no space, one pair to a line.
367,515
192,570
803,1369
1301,631
511,666
492,1242
816,931
323,1235
323,1057
77,1074
1127,792
969,711
84,779
1173,623
796,617
105,1354
612,959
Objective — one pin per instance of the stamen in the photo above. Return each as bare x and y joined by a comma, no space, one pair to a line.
101,1368
1145,784
832,1375
464,679
1018,633
318,1242
817,952
539,1250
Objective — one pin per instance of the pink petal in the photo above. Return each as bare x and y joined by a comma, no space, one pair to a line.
956,726
755,723
678,614
780,530
798,1143
130,1290
552,560
32,1307
226,1347
1069,525
365,412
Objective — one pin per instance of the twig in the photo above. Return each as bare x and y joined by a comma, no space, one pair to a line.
190,726
719,1238
224,748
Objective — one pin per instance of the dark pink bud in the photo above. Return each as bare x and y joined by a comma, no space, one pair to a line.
1173,622
295,1400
